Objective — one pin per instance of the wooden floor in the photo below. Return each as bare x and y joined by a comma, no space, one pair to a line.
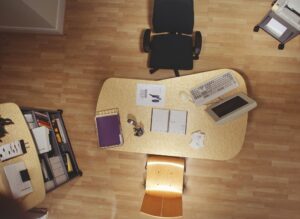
102,40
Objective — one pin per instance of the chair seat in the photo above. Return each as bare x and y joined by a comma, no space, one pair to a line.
162,206
171,51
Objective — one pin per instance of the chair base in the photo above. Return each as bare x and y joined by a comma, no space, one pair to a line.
256,28
153,70
281,46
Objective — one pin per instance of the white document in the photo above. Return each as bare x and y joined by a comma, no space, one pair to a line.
160,120
41,136
276,28
16,184
150,95
197,140
177,122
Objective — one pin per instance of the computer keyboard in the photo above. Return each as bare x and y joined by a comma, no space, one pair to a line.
213,88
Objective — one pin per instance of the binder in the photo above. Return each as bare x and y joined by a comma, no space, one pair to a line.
109,128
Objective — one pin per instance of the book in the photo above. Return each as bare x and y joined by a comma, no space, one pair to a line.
58,171
59,131
41,136
109,128
42,119
169,121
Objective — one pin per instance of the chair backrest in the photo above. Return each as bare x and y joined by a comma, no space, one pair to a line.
173,16
164,184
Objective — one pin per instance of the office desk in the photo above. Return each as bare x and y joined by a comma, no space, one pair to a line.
19,131
222,142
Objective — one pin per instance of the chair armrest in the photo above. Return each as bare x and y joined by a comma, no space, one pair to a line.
198,44
146,40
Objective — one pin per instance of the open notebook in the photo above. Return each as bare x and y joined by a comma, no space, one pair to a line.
171,121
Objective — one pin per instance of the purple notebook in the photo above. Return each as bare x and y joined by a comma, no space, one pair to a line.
109,130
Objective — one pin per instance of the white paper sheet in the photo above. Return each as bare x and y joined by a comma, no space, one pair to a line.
275,27
177,123
160,120
197,140
150,95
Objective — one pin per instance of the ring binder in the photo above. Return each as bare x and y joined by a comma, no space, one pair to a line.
109,128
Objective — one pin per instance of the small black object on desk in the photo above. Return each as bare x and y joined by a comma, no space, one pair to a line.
138,130
3,122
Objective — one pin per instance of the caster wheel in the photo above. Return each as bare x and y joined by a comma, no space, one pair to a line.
281,46
256,29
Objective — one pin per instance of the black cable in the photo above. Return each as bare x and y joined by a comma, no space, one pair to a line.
4,122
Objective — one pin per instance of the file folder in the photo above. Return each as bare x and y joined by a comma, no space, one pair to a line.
109,128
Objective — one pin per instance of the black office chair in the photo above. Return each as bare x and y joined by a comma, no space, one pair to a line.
173,48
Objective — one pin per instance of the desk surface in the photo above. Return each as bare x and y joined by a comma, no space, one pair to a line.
20,131
222,142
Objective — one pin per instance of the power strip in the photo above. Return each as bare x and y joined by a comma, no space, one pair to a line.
12,150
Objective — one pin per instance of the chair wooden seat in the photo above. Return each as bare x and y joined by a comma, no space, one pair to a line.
164,184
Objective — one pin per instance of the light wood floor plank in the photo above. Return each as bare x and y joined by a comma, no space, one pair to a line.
102,39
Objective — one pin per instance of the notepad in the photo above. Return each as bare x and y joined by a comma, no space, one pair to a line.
109,128
169,121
